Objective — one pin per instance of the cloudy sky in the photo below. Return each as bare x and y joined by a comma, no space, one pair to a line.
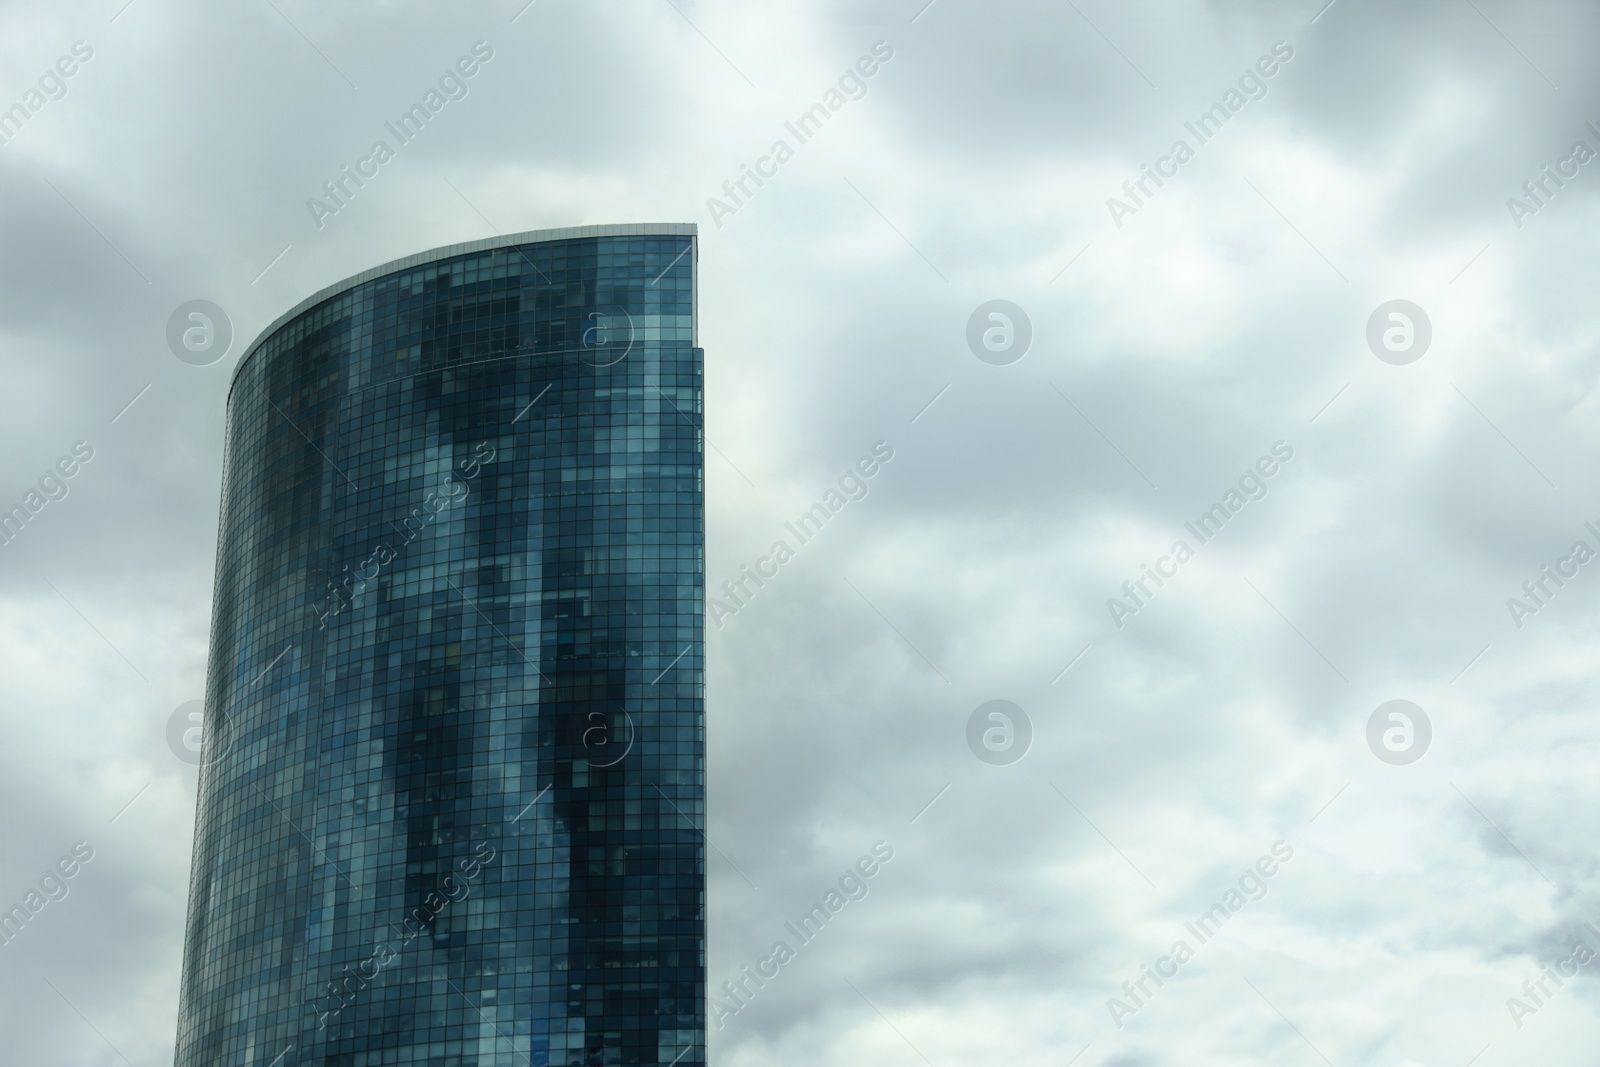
1175,339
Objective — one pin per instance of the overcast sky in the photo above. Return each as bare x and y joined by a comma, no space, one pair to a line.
1178,337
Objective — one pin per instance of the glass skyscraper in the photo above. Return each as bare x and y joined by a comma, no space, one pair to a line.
452,805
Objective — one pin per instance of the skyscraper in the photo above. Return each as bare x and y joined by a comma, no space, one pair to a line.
452,801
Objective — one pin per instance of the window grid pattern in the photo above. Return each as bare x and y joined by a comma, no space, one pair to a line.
454,801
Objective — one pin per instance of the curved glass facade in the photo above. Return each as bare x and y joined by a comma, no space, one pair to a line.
452,806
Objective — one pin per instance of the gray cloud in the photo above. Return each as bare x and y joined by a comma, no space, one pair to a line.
1227,313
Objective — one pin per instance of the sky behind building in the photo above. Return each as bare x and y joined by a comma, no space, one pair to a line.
1184,335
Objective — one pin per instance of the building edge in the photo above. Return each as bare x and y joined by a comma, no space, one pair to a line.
484,244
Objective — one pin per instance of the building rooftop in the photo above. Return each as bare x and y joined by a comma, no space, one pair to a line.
486,244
